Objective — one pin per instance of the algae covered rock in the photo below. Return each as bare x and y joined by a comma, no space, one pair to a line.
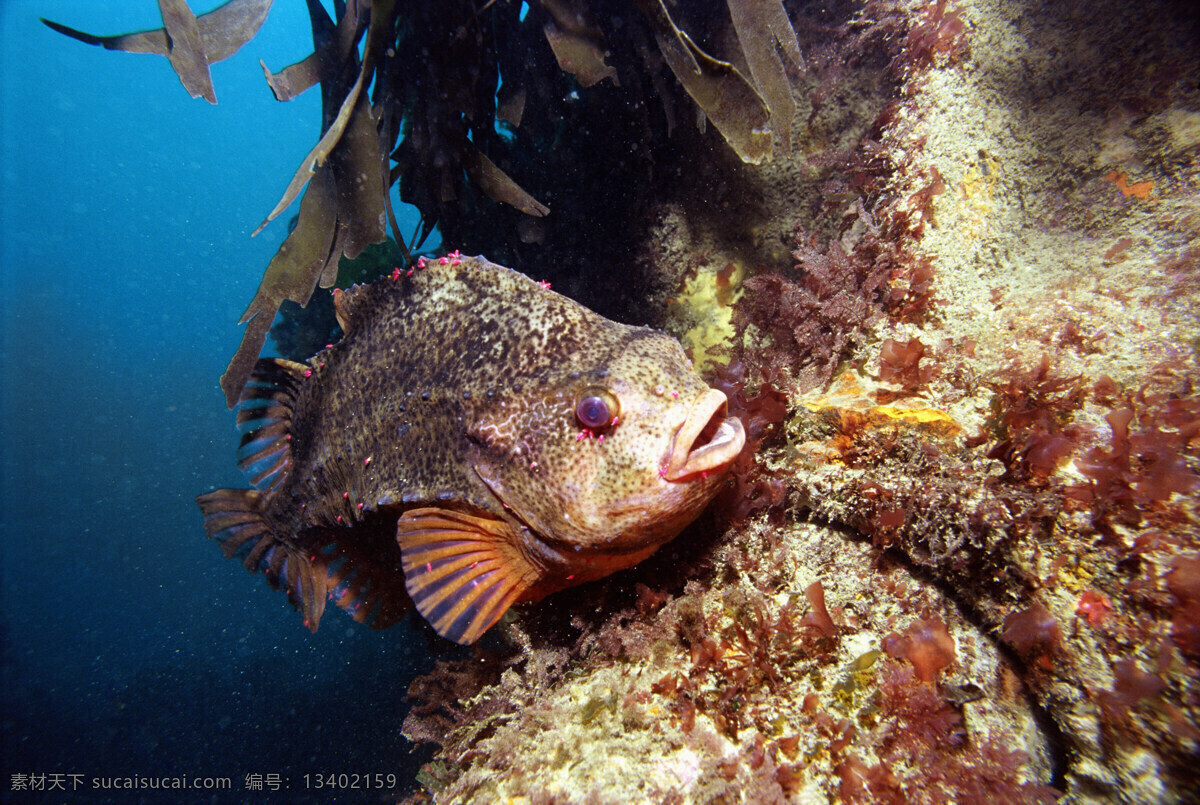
988,456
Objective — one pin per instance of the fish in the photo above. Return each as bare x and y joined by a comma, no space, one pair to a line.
473,441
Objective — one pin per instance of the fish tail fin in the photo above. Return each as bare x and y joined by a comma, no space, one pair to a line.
235,519
264,416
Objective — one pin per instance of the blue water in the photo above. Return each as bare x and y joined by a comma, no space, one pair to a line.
128,645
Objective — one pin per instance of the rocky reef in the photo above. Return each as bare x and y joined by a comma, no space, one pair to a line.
960,318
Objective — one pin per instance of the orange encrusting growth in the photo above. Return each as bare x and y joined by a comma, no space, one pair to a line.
1138,189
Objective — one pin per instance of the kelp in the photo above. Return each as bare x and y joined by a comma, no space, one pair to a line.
189,42
444,102
343,211
495,182
727,98
577,43
330,44
186,51
420,109
745,112
760,26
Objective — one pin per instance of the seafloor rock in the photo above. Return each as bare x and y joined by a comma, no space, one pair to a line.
729,691
970,567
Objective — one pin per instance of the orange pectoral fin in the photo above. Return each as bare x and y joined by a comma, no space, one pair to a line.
462,571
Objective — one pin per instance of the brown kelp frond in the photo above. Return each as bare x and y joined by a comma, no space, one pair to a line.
498,186
760,28
331,43
745,111
727,98
317,156
191,43
343,210
577,43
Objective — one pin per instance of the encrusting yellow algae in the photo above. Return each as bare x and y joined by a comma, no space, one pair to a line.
706,304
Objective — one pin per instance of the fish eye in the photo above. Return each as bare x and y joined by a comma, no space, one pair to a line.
596,408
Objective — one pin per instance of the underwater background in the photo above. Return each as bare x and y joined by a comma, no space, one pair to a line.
942,256
129,646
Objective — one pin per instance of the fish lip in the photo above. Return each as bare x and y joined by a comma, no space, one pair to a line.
685,458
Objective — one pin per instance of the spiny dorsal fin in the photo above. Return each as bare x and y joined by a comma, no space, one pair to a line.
346,305
264,416
340,310
462,571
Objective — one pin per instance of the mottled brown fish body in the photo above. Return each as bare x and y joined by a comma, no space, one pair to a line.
473,441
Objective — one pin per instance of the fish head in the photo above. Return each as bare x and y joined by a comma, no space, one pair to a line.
614,450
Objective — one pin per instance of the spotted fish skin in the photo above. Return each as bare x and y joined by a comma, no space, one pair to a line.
436,455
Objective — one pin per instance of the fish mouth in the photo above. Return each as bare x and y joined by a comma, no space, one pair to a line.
707,440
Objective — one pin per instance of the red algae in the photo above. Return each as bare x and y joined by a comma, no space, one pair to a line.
1183,580
1130,686
819,616
900,362
1094,606
1033,633
926,644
